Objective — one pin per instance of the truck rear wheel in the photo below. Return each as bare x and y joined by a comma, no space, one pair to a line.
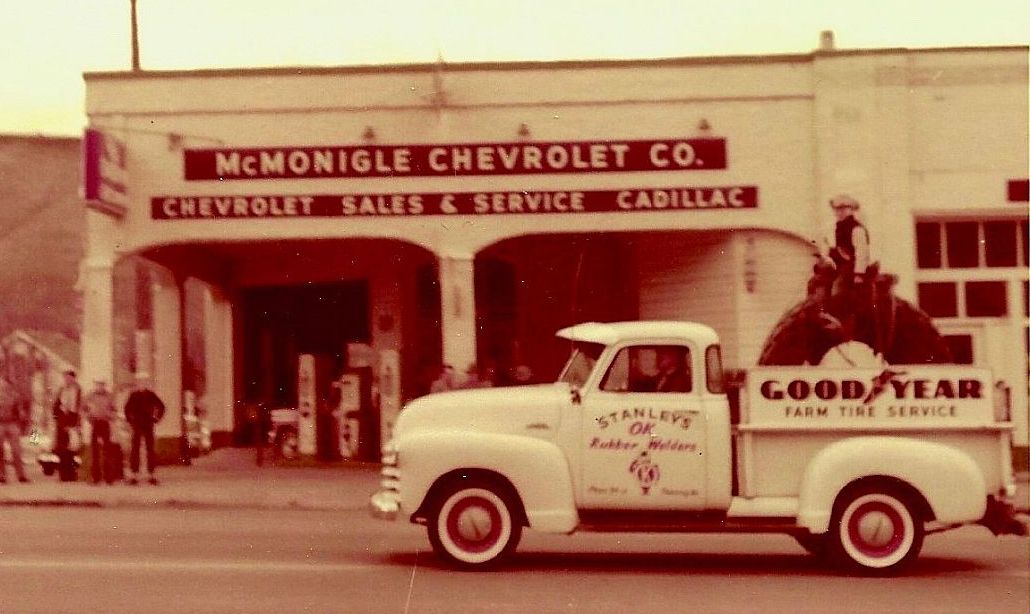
875,530
473,524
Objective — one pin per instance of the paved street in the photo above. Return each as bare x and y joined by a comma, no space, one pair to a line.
229,560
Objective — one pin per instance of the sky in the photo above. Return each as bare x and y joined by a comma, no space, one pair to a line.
46,45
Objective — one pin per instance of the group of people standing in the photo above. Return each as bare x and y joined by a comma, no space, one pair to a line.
447,377
72,409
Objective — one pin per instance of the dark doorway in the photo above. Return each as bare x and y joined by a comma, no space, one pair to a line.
282,322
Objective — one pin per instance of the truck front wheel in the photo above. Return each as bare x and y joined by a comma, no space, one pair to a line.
473,524
875,530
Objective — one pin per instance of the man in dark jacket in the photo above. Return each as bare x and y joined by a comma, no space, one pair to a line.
143,410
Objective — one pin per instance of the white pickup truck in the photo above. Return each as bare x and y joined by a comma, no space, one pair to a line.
639,435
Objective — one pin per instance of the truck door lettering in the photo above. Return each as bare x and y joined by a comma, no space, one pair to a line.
641,428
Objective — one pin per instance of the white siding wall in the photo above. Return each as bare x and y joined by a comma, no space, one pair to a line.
700,276
782,266
691,276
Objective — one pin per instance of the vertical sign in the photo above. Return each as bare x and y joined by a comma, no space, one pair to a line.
105,174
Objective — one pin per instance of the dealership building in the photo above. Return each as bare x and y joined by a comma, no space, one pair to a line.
254,234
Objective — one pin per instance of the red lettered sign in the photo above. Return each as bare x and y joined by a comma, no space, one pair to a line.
453,203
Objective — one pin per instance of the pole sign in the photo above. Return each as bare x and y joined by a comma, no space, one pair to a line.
105,174
520,158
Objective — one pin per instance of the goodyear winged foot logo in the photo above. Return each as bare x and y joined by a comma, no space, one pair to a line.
879,384
646,471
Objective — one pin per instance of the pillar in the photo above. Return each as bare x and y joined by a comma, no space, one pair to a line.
458,310
97,340
167,375
218,360
96,282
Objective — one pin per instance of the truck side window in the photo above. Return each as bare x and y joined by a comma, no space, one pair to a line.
649,368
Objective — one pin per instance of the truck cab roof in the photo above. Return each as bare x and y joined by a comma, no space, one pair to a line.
608,333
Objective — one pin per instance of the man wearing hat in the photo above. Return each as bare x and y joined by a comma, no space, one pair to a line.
854,274
850,254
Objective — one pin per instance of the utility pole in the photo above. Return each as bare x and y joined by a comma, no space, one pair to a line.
135,38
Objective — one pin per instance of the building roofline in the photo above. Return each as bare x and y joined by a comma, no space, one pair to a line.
792,58
21,137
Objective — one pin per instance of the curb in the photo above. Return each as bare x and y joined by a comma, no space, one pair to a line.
183,504
291,505
50,503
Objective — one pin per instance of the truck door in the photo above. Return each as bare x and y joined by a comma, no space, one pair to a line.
643,432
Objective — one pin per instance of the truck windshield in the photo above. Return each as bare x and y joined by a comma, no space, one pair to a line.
581,363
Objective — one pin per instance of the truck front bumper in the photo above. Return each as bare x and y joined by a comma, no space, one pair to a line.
385,505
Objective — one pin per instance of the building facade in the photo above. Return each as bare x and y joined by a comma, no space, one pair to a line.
394,219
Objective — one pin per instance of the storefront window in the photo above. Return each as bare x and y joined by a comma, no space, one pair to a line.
1025,242
961,347
1000,244
928,245
985,299
939,299
963,245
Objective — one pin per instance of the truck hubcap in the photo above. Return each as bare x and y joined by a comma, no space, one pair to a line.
474,524
876,529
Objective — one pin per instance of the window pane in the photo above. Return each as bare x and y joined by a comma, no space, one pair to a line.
713,365
1025,237
928,245
651,368
963,248
985,299
1000,243
961,348
939,299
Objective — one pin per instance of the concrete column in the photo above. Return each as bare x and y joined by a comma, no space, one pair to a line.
458,310
218,359
97,338
96,282
167,376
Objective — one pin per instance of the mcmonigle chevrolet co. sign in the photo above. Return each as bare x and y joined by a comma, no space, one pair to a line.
521,158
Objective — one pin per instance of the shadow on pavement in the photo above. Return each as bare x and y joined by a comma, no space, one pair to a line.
707,563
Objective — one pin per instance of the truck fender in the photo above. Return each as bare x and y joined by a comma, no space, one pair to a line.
949,481
537,470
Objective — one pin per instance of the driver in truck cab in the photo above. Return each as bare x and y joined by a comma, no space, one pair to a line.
660,369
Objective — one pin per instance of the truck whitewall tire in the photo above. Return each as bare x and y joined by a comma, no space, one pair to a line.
876,531
473,525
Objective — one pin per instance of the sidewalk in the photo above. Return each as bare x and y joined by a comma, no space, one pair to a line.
228,477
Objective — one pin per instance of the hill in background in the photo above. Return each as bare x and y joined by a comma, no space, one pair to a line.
41,233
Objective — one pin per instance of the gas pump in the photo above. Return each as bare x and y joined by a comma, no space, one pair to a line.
389,393
307,400
315,432
347,413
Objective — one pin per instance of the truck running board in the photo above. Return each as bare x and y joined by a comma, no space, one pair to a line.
621,521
